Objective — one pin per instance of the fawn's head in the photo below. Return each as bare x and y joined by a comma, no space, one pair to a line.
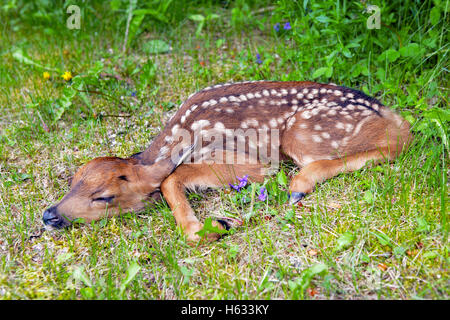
106,186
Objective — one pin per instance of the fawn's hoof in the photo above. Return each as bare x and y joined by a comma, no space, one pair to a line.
224,223
296,197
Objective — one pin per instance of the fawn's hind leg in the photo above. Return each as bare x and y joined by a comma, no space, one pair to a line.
321,170
200,175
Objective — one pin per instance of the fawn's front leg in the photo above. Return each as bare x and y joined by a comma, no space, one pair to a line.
201,175
173,188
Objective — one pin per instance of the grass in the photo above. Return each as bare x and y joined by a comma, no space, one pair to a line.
379,233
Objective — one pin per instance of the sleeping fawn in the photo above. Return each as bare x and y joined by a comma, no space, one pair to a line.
231,130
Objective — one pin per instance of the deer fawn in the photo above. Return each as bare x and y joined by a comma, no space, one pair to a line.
227,131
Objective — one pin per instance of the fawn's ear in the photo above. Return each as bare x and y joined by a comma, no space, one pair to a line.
151,176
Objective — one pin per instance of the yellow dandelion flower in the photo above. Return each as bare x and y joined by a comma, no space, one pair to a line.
67,75
46,75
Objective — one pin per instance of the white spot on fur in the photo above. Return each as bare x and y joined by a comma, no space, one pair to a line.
234,99
303,126
200,124
348,127
306,114
326,135
243,97
331,112
175,129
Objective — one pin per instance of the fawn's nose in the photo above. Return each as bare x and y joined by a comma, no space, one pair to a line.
53,219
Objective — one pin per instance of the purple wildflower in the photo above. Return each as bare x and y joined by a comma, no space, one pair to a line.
235,187
276,27
262,194
258,58
242,183
287,26
133,94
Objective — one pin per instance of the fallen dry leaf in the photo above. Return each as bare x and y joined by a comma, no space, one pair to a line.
312,291
382,266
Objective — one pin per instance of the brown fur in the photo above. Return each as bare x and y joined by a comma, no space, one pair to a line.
325,130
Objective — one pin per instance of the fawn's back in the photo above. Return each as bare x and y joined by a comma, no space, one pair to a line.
313,121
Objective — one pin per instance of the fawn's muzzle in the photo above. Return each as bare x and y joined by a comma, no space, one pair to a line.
53,219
